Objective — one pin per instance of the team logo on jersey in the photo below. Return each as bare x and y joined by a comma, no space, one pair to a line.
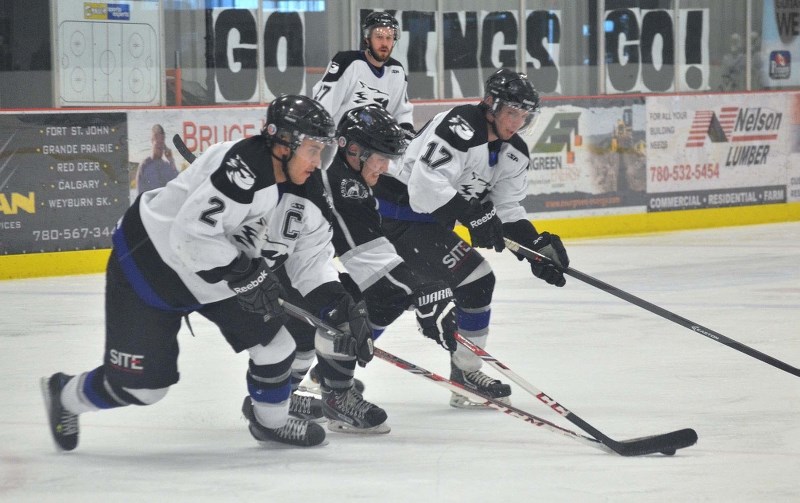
476,188
249,236
366,95
461,128
333,68
239,173
352,189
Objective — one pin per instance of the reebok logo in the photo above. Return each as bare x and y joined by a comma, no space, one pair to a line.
253,284
483,219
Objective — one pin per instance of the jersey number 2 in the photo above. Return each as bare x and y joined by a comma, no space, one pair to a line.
443,155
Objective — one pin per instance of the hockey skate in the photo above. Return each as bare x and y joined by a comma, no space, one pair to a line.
306,407
63,423
295,432
310,383
348,412
479,382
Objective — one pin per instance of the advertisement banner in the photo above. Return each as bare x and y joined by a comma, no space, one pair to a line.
779,44
717,150
199,128
587,154
63,180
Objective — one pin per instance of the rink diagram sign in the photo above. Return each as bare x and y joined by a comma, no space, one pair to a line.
717,150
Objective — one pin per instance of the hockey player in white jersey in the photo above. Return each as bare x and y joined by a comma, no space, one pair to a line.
367,76
369,140
469,164
195,246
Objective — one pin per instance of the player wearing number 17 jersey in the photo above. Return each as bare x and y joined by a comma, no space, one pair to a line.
469,164
368,76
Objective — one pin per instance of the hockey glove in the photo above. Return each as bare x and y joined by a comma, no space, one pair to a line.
257,288
485,227
550,246
436,313
351,319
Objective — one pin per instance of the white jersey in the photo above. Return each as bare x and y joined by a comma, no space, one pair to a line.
350,82
452,155
184,237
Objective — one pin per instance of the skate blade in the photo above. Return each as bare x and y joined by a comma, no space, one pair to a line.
461,402
307,385
274,445
271,444
342,427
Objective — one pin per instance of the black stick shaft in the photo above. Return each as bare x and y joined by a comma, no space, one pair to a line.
660,311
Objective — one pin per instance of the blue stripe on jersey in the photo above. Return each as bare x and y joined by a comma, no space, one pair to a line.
401,212
135,277
473,322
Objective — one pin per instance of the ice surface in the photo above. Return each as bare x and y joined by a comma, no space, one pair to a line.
624,370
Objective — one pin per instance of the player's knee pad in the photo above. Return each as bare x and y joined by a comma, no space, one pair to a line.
477,289
302,333
147,396
281,347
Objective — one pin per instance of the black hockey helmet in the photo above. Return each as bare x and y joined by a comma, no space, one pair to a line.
378,19
513,89
294,118
374,130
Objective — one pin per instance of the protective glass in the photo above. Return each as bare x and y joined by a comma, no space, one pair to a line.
316,150
515,111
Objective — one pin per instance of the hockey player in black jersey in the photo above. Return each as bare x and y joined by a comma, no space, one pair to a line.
369,140
369,75
469,164
207,243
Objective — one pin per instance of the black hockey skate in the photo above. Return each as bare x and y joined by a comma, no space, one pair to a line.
479,382
295,432
306,407
348,412
63,423
310,383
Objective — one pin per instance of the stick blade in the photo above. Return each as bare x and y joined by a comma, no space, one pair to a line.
666,443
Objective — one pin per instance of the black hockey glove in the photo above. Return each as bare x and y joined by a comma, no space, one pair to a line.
257,288
485,227
550,246
436,313
351,319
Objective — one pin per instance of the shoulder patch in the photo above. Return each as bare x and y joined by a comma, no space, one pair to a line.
245,169
338,64
463,127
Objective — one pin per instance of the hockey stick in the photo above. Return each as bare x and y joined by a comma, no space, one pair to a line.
182,149
680,320
666,443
